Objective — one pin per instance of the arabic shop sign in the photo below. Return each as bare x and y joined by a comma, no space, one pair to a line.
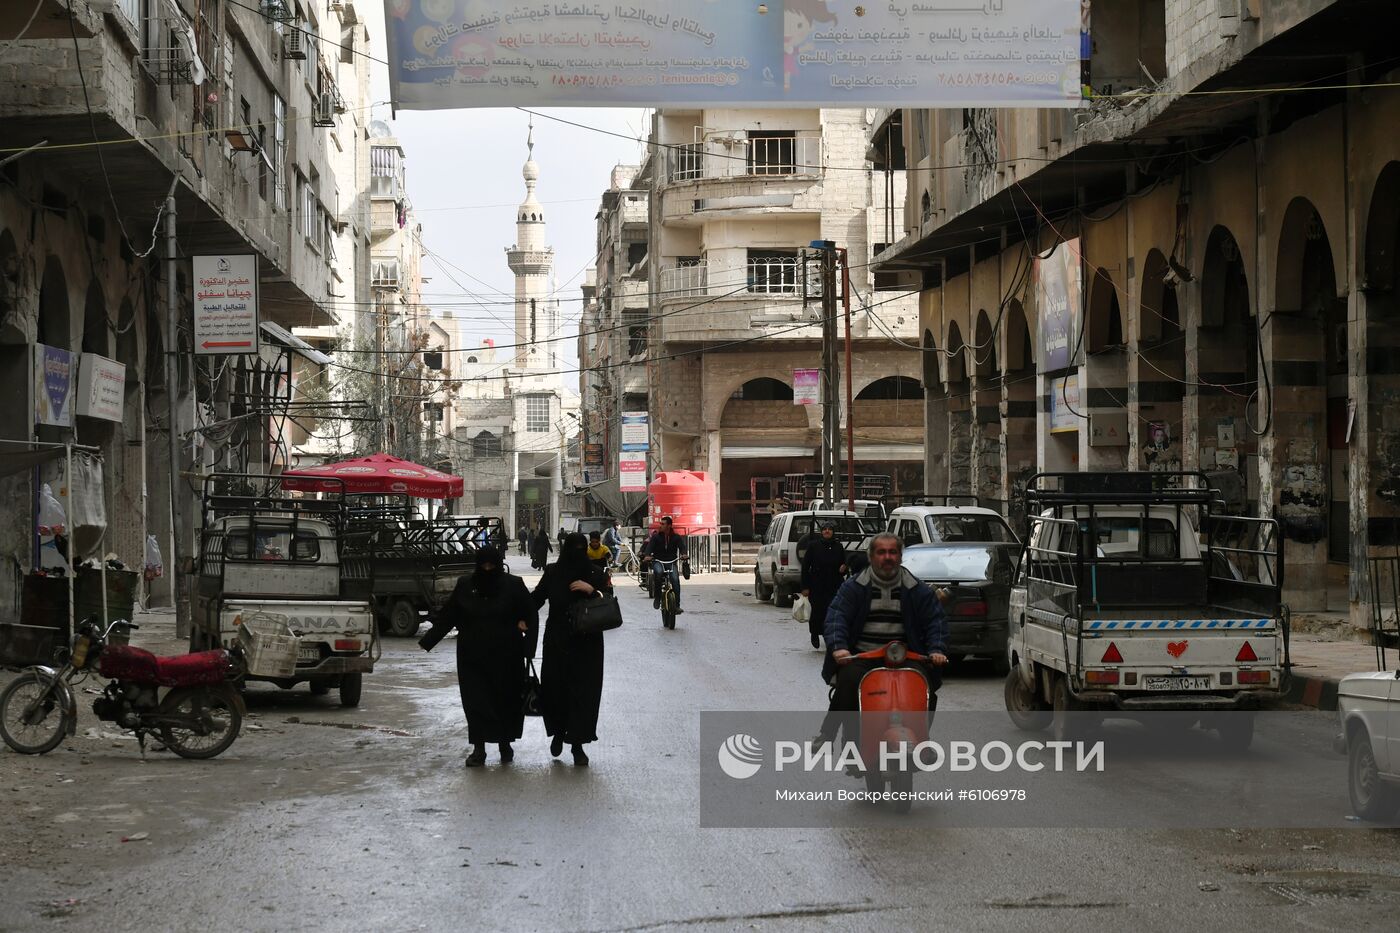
225,304
783,53
53,386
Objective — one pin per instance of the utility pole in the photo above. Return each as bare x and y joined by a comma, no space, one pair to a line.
831,375
850,382
179,587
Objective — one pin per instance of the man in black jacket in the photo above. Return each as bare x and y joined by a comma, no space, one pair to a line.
665,545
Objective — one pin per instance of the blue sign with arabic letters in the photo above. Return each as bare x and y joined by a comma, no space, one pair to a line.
716,53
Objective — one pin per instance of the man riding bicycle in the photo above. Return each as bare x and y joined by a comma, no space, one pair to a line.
665,545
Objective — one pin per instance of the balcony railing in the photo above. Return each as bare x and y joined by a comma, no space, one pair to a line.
736,155
685,280
779,277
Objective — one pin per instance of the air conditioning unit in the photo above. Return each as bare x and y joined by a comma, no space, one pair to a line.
294,45
324,113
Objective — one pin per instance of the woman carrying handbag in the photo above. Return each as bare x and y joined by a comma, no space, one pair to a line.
572,673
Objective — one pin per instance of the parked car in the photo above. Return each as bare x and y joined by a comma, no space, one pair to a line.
947,524
1368,712
977,579
777,572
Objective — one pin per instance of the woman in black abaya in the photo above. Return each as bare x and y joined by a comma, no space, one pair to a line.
571,680
497,629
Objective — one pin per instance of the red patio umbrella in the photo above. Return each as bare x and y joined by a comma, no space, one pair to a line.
377,473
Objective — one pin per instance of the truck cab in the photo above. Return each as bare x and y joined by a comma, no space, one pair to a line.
281,557
1133,595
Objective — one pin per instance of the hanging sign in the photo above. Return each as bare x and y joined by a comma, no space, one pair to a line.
53,386
225,304
632,471
636,434
806,386
101,387
784,53
1064,404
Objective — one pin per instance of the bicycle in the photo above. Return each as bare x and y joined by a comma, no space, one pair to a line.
669,598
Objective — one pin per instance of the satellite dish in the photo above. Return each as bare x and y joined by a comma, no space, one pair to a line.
379,129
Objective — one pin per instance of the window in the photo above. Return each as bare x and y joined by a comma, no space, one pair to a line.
264,163
979,528
772,152
848,527
384,163
689,162
432,412
1120,537
486,497
772,271
279,153
920,119
636,252
271,544
537,414
486,444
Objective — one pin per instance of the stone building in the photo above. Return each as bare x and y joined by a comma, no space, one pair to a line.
613,335
1195,271
736,197
232,109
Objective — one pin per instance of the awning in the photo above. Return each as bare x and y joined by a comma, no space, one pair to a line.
283,337
760,452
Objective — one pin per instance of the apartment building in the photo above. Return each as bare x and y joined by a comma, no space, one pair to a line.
737,196
104,113
1195,271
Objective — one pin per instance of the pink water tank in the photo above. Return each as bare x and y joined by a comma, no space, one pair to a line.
691,499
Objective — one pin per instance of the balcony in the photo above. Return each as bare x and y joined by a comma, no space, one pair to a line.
741,155
787,277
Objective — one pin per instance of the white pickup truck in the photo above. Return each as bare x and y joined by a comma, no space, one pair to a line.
1368,713
1132,597
282,557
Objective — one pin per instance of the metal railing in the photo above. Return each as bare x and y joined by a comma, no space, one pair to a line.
1385,606
687,280
736,155
776,276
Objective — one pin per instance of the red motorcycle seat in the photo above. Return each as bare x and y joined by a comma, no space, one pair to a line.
193,670
137,665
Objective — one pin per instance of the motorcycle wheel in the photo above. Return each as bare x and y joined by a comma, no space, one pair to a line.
212,717
44,734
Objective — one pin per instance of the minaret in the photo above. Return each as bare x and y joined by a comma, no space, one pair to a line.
533,264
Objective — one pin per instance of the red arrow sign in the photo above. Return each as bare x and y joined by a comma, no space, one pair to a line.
232,343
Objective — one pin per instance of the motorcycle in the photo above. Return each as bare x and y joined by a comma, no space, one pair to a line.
187,701
894,712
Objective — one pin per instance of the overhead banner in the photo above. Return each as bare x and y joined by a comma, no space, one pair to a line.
225,304
447,54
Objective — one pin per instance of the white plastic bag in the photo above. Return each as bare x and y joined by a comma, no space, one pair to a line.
801,609
154,566
53,526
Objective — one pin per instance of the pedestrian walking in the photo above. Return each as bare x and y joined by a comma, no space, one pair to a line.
562,535
524,540
540,549
823,572
571,679
497,627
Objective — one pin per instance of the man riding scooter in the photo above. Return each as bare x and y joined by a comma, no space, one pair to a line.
665,546
881,604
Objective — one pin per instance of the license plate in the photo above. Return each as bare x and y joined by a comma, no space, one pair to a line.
1178,683
309,653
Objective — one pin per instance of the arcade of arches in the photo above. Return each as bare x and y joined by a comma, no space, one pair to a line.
1210,336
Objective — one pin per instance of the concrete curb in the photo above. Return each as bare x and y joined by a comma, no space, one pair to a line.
1311,690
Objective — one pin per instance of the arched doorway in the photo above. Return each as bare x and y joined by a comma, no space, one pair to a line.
1382,289
935,419
1161,382
15,372
959,414
1105,389
1019,404
986,414
1310,411
763,437
55,327
1227,378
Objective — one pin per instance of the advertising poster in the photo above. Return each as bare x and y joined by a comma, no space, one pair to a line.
632,471
806,386
225,305
53,386
636,434
446,54
101,387
1058,287
1065,410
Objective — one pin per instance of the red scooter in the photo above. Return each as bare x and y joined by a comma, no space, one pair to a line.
894,712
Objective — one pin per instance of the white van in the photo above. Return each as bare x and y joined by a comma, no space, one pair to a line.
777,573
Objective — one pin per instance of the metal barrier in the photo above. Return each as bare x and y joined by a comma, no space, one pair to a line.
1385,606
709,553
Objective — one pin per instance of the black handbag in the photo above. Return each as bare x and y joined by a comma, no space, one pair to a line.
531,700
594,616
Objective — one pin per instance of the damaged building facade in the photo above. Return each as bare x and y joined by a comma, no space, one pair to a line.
1195,271
237,112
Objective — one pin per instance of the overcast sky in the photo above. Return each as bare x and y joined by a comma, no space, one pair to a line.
463,170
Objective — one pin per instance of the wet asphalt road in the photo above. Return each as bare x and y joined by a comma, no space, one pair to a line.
320,818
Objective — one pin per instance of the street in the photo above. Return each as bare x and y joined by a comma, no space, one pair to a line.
320,818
